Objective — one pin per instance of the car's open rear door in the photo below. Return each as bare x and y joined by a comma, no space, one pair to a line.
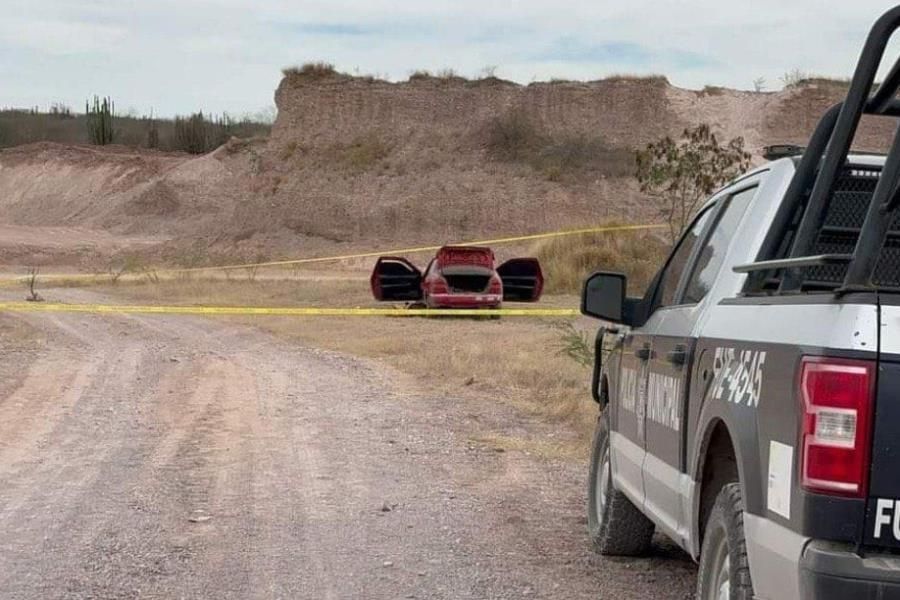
522,278
396,279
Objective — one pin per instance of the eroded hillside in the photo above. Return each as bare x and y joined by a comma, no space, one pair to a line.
357,162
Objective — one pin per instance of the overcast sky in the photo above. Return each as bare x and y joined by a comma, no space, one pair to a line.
178,56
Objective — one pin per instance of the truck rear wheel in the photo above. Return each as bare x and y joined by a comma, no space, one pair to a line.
724,570
615,525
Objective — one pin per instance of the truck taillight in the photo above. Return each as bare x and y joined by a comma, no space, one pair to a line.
496,286
837,396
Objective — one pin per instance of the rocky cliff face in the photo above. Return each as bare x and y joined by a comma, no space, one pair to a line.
363,162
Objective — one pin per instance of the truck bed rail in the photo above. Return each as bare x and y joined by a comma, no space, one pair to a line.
788,256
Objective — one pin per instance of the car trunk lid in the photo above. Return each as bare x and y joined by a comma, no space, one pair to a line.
465,256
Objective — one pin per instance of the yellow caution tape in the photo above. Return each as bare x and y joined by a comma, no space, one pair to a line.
321,259
506,240
54,307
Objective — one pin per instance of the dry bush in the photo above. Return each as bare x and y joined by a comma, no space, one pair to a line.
513,137
632,77
568,260
794,77
363,153
310,71
574,343
712,90
583,154
678,175
419,75
33,296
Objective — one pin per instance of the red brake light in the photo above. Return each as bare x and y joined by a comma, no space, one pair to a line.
496,286
837,424
439,286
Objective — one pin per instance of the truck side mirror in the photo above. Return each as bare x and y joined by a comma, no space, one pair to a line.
604,297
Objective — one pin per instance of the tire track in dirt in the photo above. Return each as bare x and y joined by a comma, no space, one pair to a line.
171,456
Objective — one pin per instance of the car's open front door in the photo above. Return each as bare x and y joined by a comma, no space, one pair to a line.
522,279
396,279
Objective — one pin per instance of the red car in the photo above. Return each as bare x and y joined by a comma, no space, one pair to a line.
458,277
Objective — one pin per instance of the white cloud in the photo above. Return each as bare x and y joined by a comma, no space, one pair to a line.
60,38
183,55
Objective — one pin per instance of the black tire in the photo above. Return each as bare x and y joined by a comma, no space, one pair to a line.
615,525
724,569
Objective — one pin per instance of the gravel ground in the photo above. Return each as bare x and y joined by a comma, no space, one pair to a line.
179,457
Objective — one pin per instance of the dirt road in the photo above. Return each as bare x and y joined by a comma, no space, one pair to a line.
177,457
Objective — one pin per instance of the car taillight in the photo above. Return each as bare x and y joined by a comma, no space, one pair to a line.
496,286
837,398
439,286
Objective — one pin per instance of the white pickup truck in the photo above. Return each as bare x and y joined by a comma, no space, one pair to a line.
750,406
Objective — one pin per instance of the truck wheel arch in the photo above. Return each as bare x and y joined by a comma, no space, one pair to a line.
717,464
604,391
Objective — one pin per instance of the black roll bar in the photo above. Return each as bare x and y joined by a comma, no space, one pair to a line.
826,156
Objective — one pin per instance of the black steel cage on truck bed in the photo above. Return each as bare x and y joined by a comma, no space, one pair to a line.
836,228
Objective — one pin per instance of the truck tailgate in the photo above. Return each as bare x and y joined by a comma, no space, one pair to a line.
883,505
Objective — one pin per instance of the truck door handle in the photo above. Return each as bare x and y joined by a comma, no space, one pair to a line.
678,356
644,352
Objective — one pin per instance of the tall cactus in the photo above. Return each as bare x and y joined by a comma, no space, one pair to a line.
100,121
192,133
152,132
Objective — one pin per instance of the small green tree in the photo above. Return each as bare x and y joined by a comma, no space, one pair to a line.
679,175
100,121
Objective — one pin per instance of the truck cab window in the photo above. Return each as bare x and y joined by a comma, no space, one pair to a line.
668,283
710,259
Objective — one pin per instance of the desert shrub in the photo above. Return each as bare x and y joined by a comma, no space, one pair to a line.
310,71
677,175
574,343
364,152
582,154
419,74
794,77
712,90
568,260
513,137
660,80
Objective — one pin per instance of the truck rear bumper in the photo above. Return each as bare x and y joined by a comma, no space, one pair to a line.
829,570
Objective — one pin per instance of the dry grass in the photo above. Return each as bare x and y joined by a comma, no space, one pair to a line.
513,137
311,71
567,261
518,361
632,77
363,153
